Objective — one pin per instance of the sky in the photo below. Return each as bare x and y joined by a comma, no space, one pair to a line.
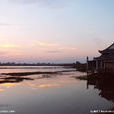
54,30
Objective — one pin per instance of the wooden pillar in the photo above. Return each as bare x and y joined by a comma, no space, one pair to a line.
87,64
104,65
97,65
101,64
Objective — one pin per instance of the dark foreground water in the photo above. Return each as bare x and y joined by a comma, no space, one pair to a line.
51,93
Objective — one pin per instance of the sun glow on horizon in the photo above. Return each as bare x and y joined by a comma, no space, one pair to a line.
9,46
58,30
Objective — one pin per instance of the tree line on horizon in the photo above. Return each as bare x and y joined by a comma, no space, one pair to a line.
35,64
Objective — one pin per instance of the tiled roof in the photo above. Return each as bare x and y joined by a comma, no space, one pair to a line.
110,49
106,57
107,51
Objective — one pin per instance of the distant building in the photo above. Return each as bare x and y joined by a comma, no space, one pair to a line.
104,63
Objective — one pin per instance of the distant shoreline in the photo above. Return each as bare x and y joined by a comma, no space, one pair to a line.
37,64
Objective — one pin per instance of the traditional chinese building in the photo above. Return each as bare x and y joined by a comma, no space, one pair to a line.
104,63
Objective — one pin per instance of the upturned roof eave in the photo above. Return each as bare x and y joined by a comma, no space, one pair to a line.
105,50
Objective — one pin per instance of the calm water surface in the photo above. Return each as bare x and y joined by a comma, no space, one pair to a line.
50,93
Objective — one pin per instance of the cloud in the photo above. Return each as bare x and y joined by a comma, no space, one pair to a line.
4,24
9,46
49,3
46,44
55,47
10,50
25,1
2,53
67,48
54,51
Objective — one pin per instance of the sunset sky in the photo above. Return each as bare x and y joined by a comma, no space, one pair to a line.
54,30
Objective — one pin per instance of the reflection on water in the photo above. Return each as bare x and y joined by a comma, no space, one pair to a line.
53,93
48,85
13,79
10,69
105,85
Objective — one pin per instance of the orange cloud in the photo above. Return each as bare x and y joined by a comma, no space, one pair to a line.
67,48
9,45
48,44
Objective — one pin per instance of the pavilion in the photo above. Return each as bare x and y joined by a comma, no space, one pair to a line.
104,63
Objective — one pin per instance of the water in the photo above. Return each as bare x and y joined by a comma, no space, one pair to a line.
49,93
